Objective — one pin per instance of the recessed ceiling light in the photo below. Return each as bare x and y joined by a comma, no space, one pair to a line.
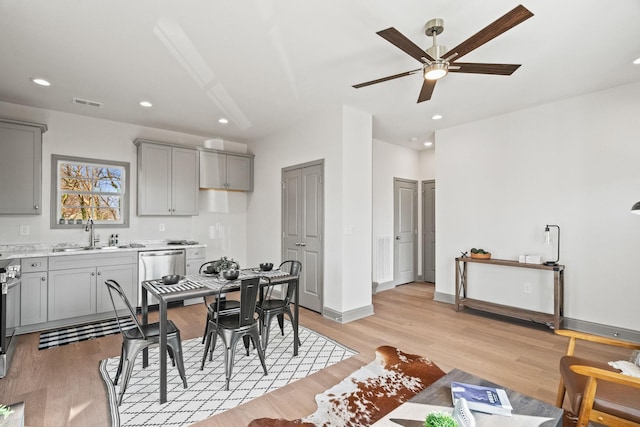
39,81
636,61
436,117
428,144
146,104
223,121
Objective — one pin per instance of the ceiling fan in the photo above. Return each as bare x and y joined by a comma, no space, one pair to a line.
437,61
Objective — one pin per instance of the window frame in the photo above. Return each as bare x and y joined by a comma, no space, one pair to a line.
55,190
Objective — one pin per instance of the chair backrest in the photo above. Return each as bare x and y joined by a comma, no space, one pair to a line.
248,297
204,266
114,288
294,268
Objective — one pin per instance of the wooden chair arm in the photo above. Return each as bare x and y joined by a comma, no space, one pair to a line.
603,374
574,335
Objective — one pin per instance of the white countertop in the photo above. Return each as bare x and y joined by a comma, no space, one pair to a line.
35,250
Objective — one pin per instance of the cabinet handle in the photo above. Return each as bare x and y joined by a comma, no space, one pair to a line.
35,264
43,278
93,273
36,207
99,273
303,244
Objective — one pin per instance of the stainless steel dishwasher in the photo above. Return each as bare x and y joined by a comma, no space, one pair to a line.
155,264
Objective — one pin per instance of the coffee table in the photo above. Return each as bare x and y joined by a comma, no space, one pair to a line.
439,393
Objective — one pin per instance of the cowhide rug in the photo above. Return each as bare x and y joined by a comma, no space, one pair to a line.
369,393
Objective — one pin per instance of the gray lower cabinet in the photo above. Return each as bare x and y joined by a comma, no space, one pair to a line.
33,302
225,171
34,286
80,291
21,167
72,293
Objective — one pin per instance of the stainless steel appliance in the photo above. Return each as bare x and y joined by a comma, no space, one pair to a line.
9,280
155,264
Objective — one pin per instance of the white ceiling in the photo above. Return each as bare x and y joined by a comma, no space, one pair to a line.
266,63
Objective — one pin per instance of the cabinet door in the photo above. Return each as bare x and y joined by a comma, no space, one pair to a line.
72,293
185,174
154,179
126,276
239,173
20,169
213,170
33,299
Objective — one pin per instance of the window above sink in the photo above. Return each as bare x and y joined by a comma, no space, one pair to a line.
84,188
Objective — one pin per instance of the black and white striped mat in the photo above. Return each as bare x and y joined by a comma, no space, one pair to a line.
83,332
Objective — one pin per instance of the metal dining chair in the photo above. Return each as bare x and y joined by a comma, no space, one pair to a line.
227,306
140,337
269,307
231,327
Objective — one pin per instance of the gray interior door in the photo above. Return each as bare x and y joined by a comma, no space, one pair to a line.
429,231
302,228
405,231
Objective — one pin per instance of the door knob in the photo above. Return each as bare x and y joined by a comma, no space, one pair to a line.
397,237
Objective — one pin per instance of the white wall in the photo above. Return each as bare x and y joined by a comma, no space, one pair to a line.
389,162
337,135
573,163
222,220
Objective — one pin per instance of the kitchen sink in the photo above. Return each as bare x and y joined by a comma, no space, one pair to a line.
77,249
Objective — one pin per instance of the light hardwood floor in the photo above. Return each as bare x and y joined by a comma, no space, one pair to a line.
62,386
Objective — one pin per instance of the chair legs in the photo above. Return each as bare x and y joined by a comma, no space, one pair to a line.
130,351
230,339
265,324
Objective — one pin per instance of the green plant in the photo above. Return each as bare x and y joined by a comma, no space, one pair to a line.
5,411
439,419
225,263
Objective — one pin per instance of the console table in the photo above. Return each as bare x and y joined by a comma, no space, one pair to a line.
552,320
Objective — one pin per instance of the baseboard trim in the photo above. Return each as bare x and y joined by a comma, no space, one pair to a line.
573,324
348,316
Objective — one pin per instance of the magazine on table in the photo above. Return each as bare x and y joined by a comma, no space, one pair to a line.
483,399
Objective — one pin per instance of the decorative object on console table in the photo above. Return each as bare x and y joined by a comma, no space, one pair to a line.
548,240
480,254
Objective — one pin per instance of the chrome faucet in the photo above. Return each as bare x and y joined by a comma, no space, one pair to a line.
92,235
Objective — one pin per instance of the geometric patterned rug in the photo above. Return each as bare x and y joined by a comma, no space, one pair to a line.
205,395
84,332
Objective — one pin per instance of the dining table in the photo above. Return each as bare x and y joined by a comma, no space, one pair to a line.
202,285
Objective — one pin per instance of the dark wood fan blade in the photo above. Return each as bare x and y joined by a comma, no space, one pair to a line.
478,68
427,90
491,31
397,39
384,79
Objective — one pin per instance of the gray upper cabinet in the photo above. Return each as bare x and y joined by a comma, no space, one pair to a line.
21,167
167,179
226,171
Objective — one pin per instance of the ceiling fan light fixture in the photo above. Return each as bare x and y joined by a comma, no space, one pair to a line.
435,71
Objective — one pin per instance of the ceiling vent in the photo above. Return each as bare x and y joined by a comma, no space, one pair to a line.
87,102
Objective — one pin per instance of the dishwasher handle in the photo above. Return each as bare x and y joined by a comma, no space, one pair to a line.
161,253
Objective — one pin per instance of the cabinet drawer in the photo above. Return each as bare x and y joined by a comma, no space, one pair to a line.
30,265
193,253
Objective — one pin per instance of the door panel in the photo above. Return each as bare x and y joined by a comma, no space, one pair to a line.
405,230
302,225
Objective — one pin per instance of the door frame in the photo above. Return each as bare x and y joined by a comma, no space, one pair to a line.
425,228
415,233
